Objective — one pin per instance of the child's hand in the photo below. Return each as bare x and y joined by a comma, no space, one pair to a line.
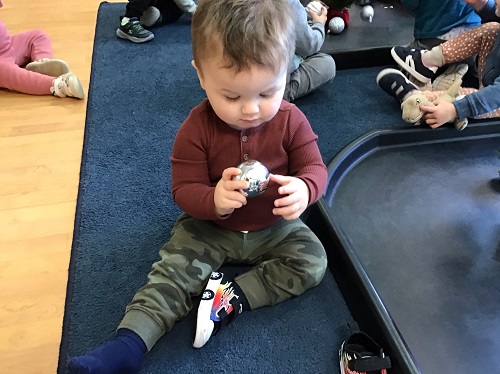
297,197
318,18
227,196
477,4
438,115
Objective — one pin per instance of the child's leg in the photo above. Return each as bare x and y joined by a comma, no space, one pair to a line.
18,79
291,260
312,73
186,263
21,80
30,46
34,49
288,259
423,64
135,8
130,27
478,40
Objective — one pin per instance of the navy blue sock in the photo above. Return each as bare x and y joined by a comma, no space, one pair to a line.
121,355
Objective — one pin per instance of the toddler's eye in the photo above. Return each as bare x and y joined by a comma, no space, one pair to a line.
265,96
232,98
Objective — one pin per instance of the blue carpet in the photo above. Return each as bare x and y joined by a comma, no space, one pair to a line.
138,97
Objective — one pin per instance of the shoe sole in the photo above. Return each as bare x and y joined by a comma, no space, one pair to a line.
122,35
204,324
52,67
409,69
384,72
76,88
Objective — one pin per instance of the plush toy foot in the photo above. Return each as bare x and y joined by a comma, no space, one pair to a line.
461,124
453,73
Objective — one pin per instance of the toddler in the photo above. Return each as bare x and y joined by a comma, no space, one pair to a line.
148,13
309,69
241,51
422,64
27,66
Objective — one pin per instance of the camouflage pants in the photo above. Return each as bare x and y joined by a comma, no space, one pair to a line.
287,259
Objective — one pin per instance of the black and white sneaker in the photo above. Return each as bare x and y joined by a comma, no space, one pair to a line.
219,305
410,59
131,29
395,84
360,354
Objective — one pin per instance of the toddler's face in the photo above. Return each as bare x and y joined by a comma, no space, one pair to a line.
243,100
497,10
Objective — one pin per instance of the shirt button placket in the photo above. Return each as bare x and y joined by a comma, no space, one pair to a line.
244,139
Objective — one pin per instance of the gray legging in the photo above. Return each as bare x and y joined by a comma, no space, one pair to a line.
313,72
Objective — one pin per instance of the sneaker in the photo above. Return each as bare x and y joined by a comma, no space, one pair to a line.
49,66
219,304
395,84
410,59
151,17
131,29
360,354
452,74
67,85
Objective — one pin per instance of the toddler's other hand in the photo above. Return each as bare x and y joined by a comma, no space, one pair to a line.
297,197
227,196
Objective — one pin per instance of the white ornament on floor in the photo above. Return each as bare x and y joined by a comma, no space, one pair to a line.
336,25
367,13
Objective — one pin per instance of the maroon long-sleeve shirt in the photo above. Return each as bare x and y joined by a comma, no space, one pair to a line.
204,146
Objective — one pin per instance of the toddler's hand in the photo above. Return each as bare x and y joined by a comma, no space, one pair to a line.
478,5
297,197
318,18
227,196
438,115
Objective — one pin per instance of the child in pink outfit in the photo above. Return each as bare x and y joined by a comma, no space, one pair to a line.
27,66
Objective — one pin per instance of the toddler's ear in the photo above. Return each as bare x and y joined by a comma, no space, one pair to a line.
198,72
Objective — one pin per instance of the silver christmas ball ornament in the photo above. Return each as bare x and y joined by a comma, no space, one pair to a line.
257,176
336,25
367,13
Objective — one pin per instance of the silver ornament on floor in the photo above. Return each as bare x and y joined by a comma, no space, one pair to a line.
256,174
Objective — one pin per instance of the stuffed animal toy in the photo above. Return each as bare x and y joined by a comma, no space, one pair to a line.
411,112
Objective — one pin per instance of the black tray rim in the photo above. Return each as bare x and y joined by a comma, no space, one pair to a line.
340,165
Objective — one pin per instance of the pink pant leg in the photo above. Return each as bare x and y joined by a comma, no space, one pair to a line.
18,79
30,46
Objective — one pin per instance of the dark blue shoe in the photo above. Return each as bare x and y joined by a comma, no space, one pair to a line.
410,59
132,30
395,84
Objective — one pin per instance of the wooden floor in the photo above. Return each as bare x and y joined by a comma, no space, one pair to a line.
40,149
